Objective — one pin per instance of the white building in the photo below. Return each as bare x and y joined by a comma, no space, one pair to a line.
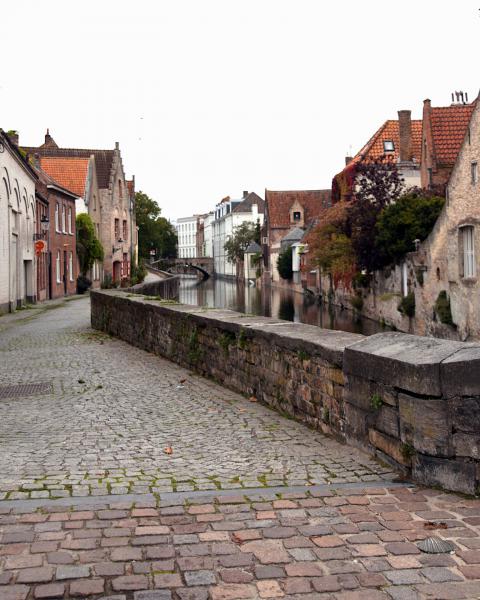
187,237
17,227
228,215
208,234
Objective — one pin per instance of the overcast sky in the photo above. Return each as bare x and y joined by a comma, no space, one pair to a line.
211,97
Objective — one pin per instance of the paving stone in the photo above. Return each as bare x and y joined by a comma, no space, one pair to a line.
36,575
192,593
269,588
233,592
153,595
199,577
440,574
49,590
404,576
88,587
130,582
167,580
71,572
401,592
15,592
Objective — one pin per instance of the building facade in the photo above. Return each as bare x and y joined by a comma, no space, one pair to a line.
98,179
228,215
17,226
187,236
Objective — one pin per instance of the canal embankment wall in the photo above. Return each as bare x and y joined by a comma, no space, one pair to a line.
412,401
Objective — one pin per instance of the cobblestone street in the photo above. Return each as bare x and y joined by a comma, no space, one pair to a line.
249,504
114,409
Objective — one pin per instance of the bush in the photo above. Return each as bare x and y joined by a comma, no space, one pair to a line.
407,305
108,283
83,284
284,264
443,309
139,272
357,302
411,218
361,280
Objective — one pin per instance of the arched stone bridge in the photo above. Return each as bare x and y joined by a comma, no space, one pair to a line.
201,266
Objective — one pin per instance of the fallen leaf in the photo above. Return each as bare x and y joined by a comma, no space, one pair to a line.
253,399
182,381
168,450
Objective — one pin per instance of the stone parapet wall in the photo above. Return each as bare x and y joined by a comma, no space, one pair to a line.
413,401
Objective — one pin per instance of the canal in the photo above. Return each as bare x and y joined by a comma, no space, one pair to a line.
271,302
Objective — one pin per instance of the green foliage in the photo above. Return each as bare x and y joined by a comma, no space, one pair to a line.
89,248
284,264
138,273
443,309
242,342
194,350
107,283
225,340
326,415
243,235
154,232
361,280
407,305
407,450
411,218
83,284
302,355
357,302
335,255
376,401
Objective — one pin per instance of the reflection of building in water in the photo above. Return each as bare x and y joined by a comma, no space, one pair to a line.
271,302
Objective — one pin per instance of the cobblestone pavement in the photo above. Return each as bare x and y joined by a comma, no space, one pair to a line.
353,544
113,409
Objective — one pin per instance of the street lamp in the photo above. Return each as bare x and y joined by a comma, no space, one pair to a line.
44,223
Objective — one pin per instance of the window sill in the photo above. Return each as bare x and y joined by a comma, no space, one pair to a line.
469,281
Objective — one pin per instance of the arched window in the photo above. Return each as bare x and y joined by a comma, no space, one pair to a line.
57,267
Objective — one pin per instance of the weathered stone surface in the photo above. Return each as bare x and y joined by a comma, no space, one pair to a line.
389,446
459,372
450,474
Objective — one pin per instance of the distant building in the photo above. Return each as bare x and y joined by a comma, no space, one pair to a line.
208,235
288,214
228,215
187,236
17,226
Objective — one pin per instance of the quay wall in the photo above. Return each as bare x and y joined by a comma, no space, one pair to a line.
412,401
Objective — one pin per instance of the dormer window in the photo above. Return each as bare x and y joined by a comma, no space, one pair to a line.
297,215
388,146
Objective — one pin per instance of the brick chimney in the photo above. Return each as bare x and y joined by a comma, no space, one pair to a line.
348,160
405,132
49,141
245,193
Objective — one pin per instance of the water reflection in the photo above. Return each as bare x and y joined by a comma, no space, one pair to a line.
271,302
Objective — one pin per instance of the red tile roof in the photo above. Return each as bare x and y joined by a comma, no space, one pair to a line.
449,125
389,131
279,204
71,173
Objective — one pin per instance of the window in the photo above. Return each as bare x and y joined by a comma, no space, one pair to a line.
120,189
57,222
297,216
70,230
64,221
70,265
124,229
117,228
388,146
474,172
57,267
468,251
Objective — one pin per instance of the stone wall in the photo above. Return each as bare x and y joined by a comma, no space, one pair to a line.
415,402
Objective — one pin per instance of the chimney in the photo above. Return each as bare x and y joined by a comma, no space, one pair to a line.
13,136
348,160
405,132
36,160
245,193
48,137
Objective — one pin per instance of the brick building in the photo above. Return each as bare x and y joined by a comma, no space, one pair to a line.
57,265
284,212
98,179
443,133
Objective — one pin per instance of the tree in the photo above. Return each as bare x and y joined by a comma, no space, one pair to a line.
284,263
89,248
411,218
243,235
154,232
378,184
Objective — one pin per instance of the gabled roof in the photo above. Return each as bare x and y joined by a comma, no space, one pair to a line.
70,173
389,131
103,158
253,248
279,204
449,125
294,235
46,181
245,204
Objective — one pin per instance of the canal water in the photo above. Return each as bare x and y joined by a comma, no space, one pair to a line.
271,302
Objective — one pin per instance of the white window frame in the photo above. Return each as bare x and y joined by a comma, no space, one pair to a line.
58,268
57,217
70,230
70,265
468,242
64,222
474,172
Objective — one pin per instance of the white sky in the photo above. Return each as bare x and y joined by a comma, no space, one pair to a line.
211,97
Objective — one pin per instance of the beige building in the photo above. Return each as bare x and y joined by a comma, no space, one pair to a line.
98,179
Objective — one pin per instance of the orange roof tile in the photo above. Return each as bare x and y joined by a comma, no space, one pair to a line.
71,173
389,131
449,125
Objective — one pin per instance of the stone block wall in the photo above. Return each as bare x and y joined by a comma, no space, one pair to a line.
413,401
